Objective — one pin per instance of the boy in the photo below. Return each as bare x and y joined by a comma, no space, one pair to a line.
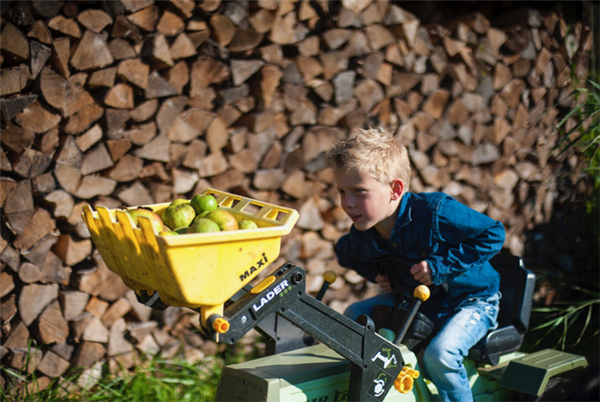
444,241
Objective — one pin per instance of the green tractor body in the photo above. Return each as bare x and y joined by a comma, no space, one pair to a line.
318,374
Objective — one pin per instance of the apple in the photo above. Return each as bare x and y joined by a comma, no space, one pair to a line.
247,224
134,215
203,225
224,219
179,215
204,203
178,201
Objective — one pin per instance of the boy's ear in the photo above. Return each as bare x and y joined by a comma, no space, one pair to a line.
397,189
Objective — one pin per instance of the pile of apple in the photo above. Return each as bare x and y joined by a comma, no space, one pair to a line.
201,214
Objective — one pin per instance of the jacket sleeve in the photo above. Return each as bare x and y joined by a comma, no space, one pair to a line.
466,238
350,255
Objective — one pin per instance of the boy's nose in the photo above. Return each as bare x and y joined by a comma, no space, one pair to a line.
347,202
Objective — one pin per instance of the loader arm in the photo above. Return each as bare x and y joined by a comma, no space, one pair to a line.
375,362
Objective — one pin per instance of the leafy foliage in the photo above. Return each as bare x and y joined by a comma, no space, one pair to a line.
572,323
584,138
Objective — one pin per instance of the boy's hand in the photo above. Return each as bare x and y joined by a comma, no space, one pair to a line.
421,272
383,282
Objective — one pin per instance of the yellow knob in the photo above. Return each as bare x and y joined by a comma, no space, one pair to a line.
404,384
221,325
422,292
330,277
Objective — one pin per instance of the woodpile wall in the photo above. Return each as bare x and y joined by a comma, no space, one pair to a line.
138,101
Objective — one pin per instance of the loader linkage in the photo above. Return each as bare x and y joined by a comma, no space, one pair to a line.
375,362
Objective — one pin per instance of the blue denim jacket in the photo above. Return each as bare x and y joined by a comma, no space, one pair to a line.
455,240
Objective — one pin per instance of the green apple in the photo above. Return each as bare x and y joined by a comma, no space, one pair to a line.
180,215
203,225
247,224
204,203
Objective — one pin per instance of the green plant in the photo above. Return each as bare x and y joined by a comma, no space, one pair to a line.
572,321
572,325
154,379
584,138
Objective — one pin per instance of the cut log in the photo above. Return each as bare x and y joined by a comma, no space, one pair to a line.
92,53
67,26
73,303
206,72
51,325
117,344
16,139
121,49
115,312
39,56
89,138
127,169
20,199
87,354
95,332
14,44
145,18
40,225
83,119
224,29
245,40
169,112
170,24
40,31
141,134
103,78
118,148
71,251
8,283
61,52
92,186
182,47
96,160
178,76
185,7
53,365
94,20
120,96
158,87
25,359
34,299
14,80
144,111
158,49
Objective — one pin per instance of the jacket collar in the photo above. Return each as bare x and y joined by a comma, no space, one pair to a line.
404,210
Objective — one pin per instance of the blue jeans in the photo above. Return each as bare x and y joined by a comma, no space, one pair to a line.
454,336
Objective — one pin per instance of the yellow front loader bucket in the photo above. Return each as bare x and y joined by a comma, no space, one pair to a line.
199,270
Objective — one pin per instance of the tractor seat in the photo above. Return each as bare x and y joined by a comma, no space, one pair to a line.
517,285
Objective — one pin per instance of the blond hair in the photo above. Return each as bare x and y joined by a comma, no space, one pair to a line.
374,152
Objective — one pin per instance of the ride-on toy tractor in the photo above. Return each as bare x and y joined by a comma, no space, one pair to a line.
314,352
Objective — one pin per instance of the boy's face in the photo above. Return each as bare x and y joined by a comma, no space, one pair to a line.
368,202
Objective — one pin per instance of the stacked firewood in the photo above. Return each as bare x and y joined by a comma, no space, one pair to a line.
136,102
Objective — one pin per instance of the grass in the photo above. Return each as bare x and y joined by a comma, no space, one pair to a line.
154,379
571,323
